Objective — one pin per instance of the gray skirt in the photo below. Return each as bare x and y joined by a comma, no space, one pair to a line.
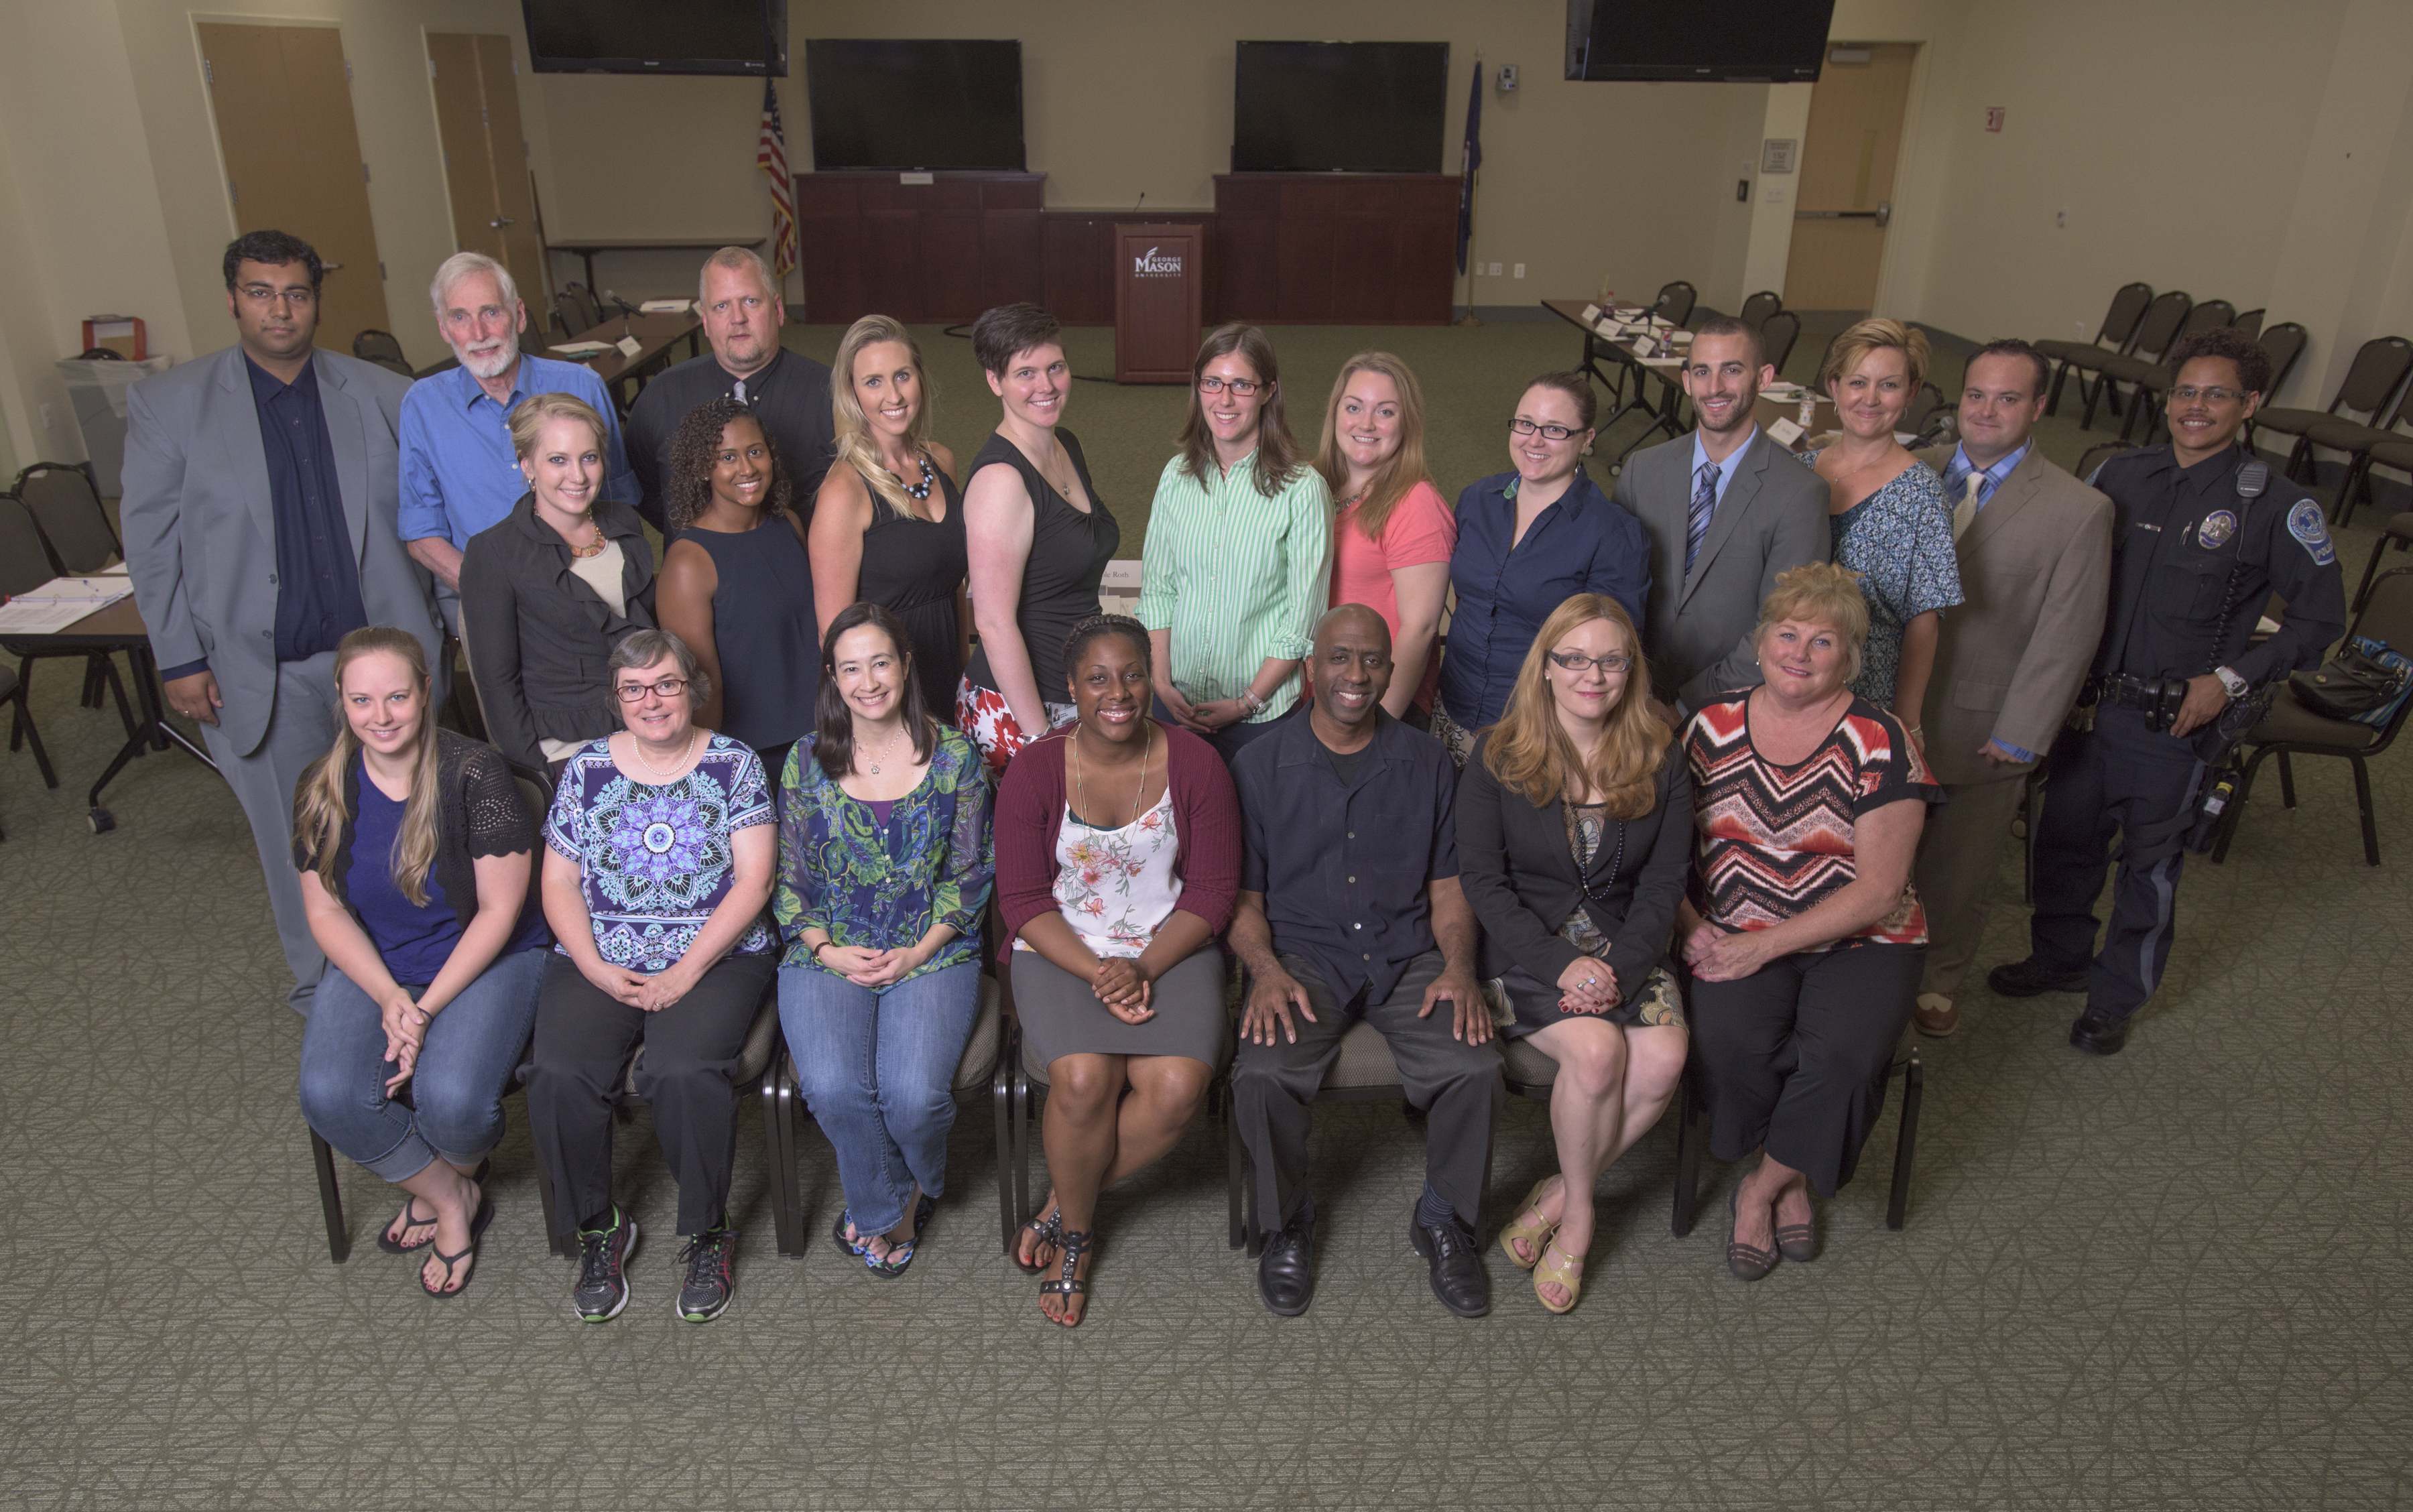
1060,1016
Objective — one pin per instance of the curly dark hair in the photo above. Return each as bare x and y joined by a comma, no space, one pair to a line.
2231,344
1099,626
694,446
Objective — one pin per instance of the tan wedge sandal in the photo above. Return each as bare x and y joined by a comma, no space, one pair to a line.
1566,1270
1530,1226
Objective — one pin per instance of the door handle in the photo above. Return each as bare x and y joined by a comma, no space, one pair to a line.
1880,214
1884,213
501,221
331,267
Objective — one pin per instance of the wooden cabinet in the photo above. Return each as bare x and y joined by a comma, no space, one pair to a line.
1341,248
944,250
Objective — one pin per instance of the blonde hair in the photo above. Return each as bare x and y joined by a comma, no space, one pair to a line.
854,445
1530,751
530,418
319,812
1876,334
1820,593
1406,467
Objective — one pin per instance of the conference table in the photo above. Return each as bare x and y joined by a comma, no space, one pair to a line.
654,334
1658,388
119,628
586,250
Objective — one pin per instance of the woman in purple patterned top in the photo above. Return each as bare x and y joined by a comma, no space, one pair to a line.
659,853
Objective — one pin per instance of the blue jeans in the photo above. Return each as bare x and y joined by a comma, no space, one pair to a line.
456,1090
877,1069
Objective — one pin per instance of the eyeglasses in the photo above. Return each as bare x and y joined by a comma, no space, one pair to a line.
1241,387
1548,433
294,298
1577,661
2189,393
635,693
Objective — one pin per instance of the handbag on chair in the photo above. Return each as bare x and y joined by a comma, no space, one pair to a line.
2363,683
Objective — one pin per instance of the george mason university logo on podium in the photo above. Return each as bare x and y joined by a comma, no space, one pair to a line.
1157,264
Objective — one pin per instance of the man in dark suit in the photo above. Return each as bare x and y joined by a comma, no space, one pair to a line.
1726,511
2035,546
260,492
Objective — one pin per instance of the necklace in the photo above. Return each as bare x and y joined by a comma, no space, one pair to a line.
922,489
1080,778
886,747
637,749
583,553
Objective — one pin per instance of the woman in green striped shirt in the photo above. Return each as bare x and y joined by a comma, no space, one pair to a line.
1239,545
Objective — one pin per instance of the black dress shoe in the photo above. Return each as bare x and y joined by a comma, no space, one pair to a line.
2098,1034
2027,979
1459,1278
1286,1269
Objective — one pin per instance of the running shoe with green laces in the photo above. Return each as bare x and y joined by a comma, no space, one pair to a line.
603,1288
711,1260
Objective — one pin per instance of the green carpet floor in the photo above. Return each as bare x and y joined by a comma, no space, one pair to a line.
2172,1280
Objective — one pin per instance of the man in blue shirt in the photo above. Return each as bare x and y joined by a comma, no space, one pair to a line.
1351,908
459,474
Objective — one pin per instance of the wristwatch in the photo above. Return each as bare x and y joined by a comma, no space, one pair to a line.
2238,687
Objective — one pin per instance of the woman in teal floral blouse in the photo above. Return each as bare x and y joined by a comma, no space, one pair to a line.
885,865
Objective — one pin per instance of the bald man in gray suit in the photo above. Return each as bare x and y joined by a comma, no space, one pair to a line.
1726,509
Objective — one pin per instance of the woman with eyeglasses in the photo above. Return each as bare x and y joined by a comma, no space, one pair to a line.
660,853
1528,540
1575,828
547,593
1238,552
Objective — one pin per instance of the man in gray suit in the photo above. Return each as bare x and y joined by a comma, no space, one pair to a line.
261,488
2035,546
1726,511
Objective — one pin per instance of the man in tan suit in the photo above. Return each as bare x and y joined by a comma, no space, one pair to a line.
2035,546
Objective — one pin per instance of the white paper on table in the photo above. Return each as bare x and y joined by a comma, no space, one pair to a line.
666,306
1783,432
581,348
1591,314
92,592
22,615
116,570
1660,362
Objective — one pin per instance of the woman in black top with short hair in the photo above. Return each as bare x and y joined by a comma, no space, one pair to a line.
737,585
1039,538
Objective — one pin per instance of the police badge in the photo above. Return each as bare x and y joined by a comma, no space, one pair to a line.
2217,528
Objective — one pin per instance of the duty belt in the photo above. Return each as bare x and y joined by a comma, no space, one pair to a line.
2158,698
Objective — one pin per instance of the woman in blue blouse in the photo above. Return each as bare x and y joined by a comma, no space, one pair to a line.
1893,525
885,863
659,857
1528,540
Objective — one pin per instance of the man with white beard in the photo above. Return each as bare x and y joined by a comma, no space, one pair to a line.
459,474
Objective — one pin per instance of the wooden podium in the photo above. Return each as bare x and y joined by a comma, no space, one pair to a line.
1159,288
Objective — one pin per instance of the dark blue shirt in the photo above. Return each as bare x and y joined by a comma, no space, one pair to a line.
318,575
1585,542
414,940
1343,866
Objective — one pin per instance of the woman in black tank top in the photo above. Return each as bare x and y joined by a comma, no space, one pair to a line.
888,526
1041,537
735,586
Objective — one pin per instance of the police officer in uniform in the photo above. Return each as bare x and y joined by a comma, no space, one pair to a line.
2204,534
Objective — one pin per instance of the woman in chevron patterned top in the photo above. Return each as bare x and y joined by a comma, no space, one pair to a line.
1805,937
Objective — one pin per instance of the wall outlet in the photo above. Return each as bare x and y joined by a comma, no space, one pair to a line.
2061,219
1520,270
1492,269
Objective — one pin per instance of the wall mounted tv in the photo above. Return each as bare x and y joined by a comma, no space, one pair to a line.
1741,41
728,36
1338,107
914,104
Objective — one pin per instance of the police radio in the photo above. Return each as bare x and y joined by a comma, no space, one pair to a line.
2243,713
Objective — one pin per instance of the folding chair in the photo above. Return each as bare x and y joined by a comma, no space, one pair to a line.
2153,379
2379,368
1691,1136
2359,442
379,347
1776,334
2154,334
2118,328
1756,309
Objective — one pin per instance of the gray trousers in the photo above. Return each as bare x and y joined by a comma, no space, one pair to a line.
1959,854
299,733
1458,1085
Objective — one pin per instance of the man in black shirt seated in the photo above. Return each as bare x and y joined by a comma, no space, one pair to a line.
1349,908
741,312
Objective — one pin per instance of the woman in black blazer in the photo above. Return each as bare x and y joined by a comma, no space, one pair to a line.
547,591
1574,829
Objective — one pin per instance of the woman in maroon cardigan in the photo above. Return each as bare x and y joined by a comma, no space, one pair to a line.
1113,897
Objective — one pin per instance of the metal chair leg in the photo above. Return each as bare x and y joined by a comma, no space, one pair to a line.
780,1159
2362,800
33,737
1914,1082
1689,1139
2286,779
1000,1095
331,1198
1239,1224
555,1242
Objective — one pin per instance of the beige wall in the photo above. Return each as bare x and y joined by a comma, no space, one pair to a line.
1120,99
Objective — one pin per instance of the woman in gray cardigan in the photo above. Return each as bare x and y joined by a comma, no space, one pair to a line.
547,591
1575,828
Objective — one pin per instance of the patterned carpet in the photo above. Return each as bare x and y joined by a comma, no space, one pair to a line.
2175,1279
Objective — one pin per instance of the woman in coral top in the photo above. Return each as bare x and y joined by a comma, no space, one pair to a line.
1392,540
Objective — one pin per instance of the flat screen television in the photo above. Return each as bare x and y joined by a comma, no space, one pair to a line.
917,104
716,36
1338,107
1739,41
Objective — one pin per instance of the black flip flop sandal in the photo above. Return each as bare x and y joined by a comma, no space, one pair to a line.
385,1239
901,1257
476,1225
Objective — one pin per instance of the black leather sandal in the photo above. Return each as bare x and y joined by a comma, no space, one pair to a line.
1076,1242
476,1225
1049,1232
385,1239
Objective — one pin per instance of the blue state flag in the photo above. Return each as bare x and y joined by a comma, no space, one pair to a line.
1470,160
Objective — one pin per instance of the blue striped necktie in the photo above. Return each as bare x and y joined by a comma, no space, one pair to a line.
1705,503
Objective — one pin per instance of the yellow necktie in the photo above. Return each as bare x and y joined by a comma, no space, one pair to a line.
1966,510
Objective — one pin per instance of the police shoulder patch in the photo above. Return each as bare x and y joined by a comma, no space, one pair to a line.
2312,532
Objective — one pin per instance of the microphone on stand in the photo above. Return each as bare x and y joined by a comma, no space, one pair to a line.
627,310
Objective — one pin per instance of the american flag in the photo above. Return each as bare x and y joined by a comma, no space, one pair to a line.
771,157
